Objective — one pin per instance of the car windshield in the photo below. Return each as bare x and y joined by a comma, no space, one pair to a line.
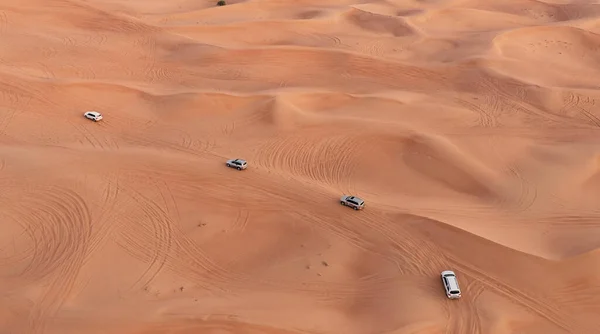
454,292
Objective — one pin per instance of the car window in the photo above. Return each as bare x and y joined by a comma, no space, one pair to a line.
353,202
454,292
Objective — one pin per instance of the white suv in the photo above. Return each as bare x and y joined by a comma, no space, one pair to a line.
450,284
239,164
93,115
353,202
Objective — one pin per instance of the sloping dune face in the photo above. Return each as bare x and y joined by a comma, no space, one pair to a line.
470,128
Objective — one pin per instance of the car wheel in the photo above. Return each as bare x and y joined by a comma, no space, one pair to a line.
355,208
239,168
342,203
228,165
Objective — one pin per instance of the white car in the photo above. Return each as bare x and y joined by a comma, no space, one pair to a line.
451,284
93,115
237,163
353,202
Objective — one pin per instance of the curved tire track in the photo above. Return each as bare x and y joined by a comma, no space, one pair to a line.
536,305
6,117
528,193
188,259
93,139
61,229
514,96
103,225
241,220
465,309
162,245
186,145
152,243
333,157
152,72
582,105
423,256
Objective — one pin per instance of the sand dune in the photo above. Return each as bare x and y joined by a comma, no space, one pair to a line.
470,128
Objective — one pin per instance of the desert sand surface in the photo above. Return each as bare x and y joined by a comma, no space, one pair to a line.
471,129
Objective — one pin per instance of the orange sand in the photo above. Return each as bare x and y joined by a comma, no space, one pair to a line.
471,128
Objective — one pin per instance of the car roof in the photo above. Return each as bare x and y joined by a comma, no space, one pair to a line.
239,160
355,198
93,112
452,283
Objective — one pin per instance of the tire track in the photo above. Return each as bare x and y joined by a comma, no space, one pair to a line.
4,23
26,254
188,143
486,118
515,97
95,39
330,40
536,305
150,244
47,72
528,193
577,103
186,258
329,161
424,257
180,148
69,41
491,107
9,115
465,308
82,72
474,290
189,261
172,250
88,136
102,225
64,225
21,95
410,254
569,222
241,220
153,71
48,52
228,128
54,232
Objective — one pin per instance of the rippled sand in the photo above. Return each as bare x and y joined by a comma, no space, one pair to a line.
471,129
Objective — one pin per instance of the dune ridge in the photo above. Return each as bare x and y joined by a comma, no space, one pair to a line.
470,129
